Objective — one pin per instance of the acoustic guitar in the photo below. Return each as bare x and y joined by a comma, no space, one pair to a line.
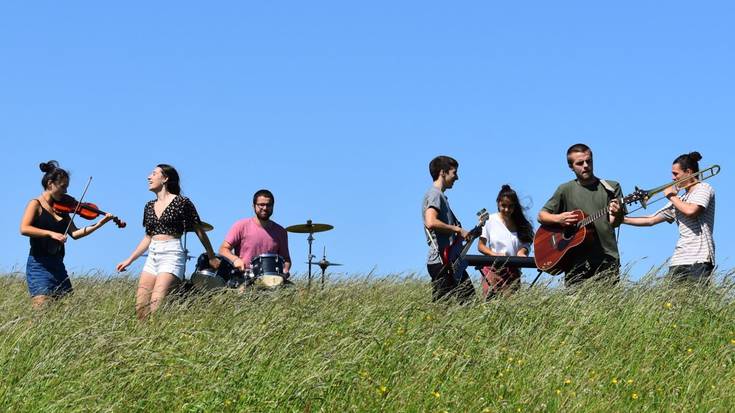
553,242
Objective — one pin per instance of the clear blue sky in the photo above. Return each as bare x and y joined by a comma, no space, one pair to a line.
337,107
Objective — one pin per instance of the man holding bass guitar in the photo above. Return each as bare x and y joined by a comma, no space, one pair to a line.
442,228
598,255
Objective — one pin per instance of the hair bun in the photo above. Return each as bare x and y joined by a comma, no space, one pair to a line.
505,187
49,166
695,156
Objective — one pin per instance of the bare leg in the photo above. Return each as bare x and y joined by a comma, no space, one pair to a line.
38,302
143,295
164,283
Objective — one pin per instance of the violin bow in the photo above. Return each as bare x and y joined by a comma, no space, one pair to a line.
89,181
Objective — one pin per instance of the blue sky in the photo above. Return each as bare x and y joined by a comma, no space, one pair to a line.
338,107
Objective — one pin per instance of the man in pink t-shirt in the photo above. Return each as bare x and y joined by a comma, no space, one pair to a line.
258,235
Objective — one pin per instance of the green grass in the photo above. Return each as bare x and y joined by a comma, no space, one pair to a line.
370,345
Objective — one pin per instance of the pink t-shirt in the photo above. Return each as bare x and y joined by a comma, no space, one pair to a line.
249,239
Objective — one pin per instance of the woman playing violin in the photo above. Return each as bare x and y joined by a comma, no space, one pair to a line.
48,229
165,219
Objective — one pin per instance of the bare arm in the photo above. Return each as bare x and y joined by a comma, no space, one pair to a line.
139,250
432,222
563,219
77,233
485,249
687,208
644,221
225,250
213,260
33,209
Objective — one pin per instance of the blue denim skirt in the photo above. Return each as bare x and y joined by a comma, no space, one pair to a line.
47,276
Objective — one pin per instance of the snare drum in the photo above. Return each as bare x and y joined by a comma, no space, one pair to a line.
267,270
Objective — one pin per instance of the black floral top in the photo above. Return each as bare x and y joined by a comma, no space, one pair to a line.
178,217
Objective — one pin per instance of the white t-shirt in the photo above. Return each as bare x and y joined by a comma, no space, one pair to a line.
499,238
695,242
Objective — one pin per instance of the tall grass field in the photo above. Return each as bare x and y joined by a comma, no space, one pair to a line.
371,344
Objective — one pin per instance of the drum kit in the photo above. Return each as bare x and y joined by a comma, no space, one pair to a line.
265,271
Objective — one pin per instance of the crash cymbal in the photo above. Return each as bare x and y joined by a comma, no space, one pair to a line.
309,228
204,226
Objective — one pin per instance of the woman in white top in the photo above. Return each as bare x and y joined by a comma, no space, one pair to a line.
506,233
694,212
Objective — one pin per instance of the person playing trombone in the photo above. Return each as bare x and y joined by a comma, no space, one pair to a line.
694,212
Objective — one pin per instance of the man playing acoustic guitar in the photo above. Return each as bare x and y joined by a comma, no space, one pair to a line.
442,227
598,256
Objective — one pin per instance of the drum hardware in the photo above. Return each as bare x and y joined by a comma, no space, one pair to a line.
323,264
309,228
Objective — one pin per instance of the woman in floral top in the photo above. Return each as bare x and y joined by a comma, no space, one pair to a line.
165,219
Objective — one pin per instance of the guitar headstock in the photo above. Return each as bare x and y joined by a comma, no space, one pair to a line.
482,217
639,195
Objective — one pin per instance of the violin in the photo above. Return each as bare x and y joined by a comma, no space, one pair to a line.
86,210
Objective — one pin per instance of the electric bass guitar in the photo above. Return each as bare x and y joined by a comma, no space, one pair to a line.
553,242
453,255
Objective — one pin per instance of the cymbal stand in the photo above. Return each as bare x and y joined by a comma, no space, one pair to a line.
310,239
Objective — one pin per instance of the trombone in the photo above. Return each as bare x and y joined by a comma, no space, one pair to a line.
700,176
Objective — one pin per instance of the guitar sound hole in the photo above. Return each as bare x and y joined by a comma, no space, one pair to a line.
568,234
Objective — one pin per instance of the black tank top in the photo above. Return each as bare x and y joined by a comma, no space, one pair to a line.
46,247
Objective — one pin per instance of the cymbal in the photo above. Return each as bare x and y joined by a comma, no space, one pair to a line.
309,228
324,263
204,226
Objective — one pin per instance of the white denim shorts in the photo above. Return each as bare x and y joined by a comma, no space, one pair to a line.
166,256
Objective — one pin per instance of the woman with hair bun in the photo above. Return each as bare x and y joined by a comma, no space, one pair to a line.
165,219
506,233
45,271
694,213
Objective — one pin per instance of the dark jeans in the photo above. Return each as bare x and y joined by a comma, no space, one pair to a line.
444,286
606,269
694,273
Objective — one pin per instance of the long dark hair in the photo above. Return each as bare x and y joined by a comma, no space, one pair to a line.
173,184
689,161
52,173
523,226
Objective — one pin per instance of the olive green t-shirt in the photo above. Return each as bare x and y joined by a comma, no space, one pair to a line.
590,199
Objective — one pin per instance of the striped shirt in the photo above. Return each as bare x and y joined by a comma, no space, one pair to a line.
695,244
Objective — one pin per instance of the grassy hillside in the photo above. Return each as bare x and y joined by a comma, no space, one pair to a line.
370,345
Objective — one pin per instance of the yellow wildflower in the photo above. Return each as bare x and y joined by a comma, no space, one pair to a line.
634,396
382,390
486,410
689,351
630,381
364,374
667,306
732,341
568,381
614,380
558,392
436,394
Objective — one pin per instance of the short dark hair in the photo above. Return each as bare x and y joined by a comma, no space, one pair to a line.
441,163
52,173
689,161
173,184
265,193
577,147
